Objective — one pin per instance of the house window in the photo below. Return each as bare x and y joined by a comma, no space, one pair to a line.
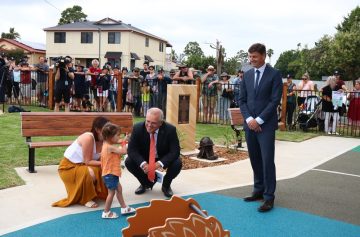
59,37
114,38
86,37
146,42
114,61
161,47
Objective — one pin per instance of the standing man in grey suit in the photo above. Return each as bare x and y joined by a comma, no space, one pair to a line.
260,95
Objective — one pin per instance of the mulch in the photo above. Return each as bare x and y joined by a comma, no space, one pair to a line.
231,156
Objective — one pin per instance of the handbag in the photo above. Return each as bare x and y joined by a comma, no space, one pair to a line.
227,94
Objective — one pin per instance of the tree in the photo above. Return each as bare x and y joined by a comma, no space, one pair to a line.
269,53
193,48
285,62
11,35
242,56
71,15
353,19
17,54
173,56
231,65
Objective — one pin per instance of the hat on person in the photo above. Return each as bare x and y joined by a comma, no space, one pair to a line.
172,71
224,74
336,73
182,66
151,66
136,69
105,67
289,76
240,71
210,68
160,70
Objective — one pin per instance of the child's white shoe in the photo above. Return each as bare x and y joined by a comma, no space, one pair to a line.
127,210
109,215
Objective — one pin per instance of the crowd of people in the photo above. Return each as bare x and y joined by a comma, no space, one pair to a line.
330,109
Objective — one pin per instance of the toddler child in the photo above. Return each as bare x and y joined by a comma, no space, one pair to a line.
111,171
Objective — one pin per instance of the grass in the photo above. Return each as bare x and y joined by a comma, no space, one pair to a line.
14,151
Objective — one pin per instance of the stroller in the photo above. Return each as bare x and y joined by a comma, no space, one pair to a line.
310,114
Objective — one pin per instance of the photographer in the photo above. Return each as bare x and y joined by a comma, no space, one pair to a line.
63,81
3,72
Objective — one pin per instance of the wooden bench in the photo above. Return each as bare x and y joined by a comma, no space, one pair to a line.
237,122
53,124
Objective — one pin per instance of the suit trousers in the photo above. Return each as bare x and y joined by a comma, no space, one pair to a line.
261,148
172,171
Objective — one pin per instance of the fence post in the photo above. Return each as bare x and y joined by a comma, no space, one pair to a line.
198,87
51,89
119,101
283,107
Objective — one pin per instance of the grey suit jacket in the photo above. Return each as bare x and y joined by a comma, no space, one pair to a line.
264,102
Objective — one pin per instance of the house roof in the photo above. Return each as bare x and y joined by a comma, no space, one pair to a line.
27,46
106,24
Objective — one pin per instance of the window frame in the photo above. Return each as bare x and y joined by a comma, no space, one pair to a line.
88,37
114,37
147,41
59,37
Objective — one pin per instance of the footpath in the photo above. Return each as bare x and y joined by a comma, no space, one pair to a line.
30,204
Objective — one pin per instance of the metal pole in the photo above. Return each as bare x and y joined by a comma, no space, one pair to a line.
100,46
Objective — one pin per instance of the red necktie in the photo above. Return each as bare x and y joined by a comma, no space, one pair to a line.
151,173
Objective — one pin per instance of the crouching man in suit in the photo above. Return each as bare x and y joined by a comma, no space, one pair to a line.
154,145
260,94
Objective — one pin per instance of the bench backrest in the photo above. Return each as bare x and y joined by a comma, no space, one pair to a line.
236,117
68,123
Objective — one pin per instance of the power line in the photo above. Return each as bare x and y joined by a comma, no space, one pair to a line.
52,5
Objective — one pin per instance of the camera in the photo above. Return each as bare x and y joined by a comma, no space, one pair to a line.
61,61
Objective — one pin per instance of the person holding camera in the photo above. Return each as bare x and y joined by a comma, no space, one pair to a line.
63,81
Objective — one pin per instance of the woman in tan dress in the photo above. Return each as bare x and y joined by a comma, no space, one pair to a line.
80,168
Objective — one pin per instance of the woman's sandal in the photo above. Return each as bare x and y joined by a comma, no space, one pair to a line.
109,215
91,204
127,210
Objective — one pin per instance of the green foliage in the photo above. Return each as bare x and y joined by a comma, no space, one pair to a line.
352,20
231,65
16,53
11,35
71,15
284,61
338,52
242,56
193,48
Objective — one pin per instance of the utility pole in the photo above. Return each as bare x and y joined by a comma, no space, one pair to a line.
218,49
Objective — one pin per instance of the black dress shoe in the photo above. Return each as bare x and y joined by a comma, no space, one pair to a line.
266,206
167,192
140,190
254,197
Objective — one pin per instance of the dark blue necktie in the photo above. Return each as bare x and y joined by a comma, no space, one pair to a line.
257,80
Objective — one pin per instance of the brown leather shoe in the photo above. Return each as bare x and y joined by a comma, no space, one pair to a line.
266,206
254,197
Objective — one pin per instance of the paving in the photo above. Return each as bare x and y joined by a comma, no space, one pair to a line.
302,170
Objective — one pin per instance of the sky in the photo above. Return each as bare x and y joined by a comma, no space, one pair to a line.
279,24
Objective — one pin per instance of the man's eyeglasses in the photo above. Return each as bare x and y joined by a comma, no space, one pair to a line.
304,78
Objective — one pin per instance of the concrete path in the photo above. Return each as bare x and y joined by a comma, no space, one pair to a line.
31,203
